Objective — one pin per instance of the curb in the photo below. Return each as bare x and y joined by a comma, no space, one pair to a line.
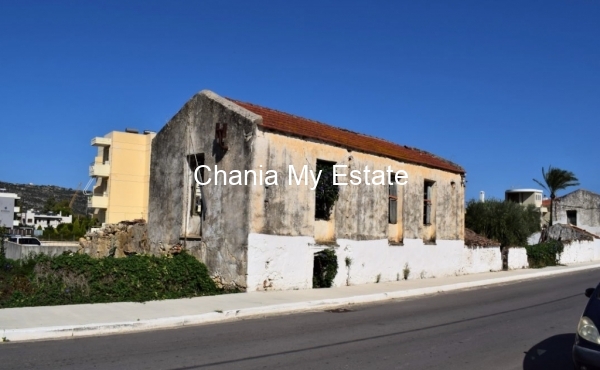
71,331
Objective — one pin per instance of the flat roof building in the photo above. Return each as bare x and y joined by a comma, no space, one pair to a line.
121,170
9,210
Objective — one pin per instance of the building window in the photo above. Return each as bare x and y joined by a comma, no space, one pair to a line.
427,201
326,193
194,161
572,217
393,202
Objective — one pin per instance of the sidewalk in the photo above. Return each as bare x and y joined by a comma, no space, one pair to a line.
53,322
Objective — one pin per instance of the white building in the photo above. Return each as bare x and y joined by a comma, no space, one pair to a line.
35,219
9,210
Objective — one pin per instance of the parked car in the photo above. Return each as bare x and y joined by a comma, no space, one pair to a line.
586,350
28,240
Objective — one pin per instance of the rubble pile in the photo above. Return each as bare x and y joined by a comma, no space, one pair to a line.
472,239
118,240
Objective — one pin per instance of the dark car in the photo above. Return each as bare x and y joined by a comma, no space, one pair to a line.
586,350
25,240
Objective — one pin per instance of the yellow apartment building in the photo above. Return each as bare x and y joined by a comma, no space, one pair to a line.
121,171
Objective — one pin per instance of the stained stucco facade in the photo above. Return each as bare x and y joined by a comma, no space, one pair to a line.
259,236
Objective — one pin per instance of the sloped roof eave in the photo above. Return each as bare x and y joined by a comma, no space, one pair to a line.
286,123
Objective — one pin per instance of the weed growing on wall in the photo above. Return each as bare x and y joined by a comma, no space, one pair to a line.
406,271
79,278
324,268
544,254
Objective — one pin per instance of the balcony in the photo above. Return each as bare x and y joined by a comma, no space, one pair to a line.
101,141
98,201
99,170
17,209
16,223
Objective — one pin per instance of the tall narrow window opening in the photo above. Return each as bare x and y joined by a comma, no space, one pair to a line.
427,201
392,201
326,193
194,161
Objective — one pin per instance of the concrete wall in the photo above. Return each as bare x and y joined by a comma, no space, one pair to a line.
286,262
517,258
223,228
16,251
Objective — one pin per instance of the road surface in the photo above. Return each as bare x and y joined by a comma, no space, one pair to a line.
526,325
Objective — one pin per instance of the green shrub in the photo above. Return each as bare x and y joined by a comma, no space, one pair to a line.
544,254
324,268
79,278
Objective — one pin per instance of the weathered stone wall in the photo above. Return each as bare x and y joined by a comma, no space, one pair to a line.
568,233
220,237
118,240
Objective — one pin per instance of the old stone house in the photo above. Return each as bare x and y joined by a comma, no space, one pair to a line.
579,208
260,235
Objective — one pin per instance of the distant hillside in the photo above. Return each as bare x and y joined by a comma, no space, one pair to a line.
35,196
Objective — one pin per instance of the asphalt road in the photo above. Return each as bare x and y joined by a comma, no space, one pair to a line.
526,325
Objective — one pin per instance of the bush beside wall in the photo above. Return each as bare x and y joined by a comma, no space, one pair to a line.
544,254
78,278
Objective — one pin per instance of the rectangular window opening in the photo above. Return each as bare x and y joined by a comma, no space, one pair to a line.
326,194
392,201
572,217
427,201
194,161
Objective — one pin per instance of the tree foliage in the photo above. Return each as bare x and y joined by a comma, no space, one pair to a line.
54,206
556,179
72,231
507,222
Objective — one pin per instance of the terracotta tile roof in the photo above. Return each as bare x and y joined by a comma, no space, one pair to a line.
302,127
545,202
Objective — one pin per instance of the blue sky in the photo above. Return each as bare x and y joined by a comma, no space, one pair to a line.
503,88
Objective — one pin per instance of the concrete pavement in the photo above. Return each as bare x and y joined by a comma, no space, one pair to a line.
54,322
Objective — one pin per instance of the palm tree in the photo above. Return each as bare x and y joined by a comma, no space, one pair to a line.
556,179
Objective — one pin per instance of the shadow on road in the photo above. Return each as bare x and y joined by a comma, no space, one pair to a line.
553,353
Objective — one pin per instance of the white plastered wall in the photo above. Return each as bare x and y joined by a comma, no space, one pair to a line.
584,251
286,262
517,258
